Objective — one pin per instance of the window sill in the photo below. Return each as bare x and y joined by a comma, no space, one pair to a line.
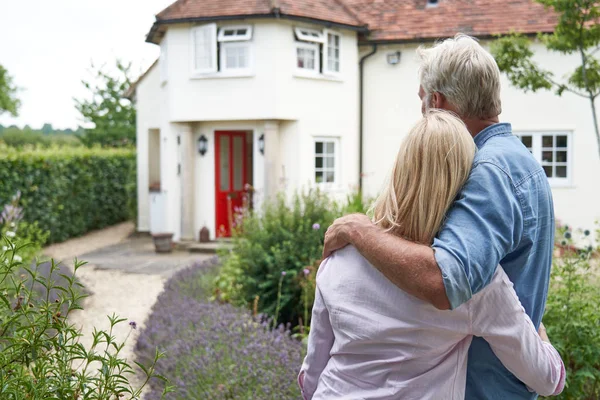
562,186
223,75
317,76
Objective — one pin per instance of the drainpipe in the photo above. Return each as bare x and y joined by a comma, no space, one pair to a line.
360,115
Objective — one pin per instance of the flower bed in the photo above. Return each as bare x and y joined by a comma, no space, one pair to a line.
213,350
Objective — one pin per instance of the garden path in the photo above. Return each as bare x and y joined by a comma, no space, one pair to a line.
124,276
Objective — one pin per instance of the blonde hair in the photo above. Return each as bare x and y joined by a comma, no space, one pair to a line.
432,165
465,73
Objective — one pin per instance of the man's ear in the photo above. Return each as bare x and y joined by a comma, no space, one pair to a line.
438,100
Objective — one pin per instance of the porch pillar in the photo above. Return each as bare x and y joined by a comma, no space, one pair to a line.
188,158
272,158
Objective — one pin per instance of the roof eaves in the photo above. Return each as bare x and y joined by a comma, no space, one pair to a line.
276,14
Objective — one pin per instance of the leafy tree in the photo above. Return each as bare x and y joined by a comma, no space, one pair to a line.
8,91
577,32
47,129
112,115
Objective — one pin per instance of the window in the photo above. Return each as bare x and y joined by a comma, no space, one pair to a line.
235,57
309,35
307,56
317,52
333,53
326,161
226,50
235,33
553,151
204,40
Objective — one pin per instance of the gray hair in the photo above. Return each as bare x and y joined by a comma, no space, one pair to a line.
465,73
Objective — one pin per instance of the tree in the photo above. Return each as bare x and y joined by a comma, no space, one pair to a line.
113,116
47,129
577,32
8,94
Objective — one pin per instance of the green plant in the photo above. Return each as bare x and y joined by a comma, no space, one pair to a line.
577,33
68,191
112,115
40,353
284,236
572,317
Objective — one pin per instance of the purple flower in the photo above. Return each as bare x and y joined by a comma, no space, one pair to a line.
306,271
316,227
283,273
133,324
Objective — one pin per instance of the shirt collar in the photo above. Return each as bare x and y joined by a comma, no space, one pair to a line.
502,128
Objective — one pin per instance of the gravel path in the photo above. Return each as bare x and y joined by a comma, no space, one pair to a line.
129,295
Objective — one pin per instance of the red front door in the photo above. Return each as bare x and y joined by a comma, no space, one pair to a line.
230,179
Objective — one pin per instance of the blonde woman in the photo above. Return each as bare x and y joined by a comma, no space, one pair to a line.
371,340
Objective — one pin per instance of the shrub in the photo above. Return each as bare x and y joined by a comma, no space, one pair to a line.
216,351
40,354
68,191
284,237
23,139
572,318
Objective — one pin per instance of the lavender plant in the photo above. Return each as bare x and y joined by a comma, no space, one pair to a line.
214,350
40,353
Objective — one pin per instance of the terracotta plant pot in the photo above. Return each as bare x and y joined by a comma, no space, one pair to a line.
163,242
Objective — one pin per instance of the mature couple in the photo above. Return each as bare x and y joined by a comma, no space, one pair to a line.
439,294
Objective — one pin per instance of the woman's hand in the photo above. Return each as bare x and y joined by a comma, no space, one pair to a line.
542,333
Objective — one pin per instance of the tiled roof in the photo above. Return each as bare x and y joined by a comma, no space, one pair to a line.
326,10
414,19
386,20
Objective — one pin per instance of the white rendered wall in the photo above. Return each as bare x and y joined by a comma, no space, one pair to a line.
392,106
147,117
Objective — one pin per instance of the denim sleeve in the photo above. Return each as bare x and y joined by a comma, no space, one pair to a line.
483,225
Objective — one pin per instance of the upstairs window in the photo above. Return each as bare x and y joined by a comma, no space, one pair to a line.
553,151
317,52
227,49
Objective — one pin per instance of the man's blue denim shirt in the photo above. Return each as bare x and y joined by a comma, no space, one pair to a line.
503,215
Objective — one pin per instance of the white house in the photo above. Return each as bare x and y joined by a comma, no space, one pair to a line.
279,95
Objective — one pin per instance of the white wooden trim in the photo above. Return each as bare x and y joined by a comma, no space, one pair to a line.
326,51
236,71
236,38
212,29
308,46
336,162
536,150
309,35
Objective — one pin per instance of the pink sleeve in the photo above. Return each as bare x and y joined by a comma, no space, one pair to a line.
320,341
499,317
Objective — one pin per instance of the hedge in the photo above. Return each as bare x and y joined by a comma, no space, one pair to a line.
69,191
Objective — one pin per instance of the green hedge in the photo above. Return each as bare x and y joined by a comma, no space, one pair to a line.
69,191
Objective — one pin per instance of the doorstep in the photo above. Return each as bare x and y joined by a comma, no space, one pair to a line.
206,248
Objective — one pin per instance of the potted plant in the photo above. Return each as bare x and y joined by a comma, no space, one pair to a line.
163,242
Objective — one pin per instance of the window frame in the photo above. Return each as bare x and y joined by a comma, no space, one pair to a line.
213,49
309,46
336,161
223,59
224,39
537,150
302,34
327,50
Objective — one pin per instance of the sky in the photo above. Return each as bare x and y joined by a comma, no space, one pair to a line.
48,46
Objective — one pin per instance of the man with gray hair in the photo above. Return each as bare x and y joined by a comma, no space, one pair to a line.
503,215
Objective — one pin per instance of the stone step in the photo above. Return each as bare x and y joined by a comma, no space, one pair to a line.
206,248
